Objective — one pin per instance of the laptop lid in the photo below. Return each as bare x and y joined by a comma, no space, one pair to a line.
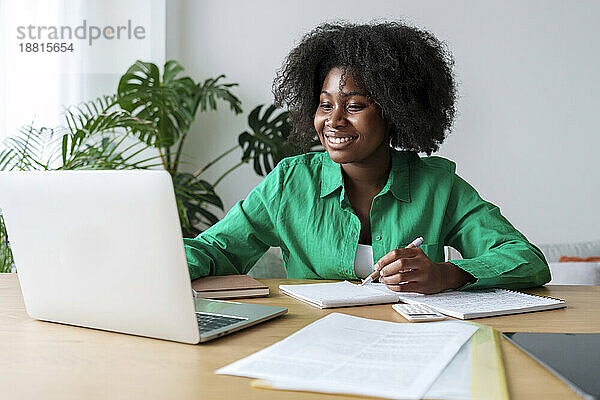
101,249
572,357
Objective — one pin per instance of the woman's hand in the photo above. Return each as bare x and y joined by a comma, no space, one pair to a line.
418,273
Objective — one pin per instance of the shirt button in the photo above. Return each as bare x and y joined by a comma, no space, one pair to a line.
378,237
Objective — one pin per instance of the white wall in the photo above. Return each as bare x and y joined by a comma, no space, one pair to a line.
526,135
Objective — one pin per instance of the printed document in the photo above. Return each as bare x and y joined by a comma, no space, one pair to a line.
345,354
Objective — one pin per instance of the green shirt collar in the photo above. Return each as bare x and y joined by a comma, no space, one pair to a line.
398,181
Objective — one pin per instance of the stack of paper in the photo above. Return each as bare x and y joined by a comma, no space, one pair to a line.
351,355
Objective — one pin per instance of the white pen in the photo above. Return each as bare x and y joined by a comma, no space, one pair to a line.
415,243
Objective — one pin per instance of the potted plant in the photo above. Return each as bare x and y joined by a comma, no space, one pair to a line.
171,103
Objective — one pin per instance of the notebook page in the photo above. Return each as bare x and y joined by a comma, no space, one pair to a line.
338,294
345,354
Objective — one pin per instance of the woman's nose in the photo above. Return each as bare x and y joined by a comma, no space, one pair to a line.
337,117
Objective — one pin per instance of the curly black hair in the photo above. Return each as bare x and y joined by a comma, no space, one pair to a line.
405,70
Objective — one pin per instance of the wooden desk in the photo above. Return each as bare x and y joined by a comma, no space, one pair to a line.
41,360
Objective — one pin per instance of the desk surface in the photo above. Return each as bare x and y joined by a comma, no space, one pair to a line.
53,361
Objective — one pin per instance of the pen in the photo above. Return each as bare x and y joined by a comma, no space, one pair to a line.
415,243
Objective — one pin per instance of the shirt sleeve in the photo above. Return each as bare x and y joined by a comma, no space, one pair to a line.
234,244
494,252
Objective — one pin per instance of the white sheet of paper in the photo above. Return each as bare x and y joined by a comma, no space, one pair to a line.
345,354
454,383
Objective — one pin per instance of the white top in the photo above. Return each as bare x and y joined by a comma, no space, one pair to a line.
363,261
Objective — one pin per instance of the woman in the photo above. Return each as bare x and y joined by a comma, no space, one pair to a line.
366,91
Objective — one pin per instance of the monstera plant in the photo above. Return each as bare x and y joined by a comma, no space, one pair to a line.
171,103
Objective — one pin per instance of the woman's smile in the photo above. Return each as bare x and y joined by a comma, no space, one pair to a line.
339,140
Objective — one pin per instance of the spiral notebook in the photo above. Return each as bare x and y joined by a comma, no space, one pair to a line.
458,304
484,303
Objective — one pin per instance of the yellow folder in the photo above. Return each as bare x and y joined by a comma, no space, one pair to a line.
488,380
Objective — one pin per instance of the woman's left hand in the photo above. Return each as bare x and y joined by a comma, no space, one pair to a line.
410,270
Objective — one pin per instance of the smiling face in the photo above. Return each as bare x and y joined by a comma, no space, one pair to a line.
349,125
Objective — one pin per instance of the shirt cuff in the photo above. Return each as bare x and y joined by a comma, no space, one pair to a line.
197,262
485,275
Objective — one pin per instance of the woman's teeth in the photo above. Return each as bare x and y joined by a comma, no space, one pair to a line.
339,140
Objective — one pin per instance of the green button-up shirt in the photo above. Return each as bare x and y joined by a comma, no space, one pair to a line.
302,207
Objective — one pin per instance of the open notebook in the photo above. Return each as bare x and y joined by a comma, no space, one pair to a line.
457,304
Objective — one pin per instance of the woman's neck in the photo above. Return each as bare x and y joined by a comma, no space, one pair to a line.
370,174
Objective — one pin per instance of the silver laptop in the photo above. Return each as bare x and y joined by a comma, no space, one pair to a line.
104,250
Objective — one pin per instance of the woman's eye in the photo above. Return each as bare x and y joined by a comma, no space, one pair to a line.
325,106
355,107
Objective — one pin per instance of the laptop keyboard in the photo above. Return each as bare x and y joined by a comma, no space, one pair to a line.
208,322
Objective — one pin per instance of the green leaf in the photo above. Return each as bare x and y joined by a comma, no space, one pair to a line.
266,143
206,95
172,68
167,103
195,197
29,149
